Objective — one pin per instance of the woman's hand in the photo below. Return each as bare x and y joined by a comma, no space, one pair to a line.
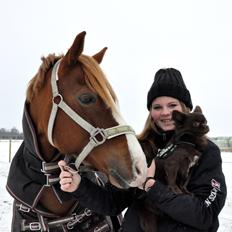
69,181
151,169
150,181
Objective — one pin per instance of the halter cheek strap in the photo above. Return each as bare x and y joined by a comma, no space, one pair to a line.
97,135
61,104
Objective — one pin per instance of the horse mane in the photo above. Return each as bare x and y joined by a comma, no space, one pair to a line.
38,80
94,77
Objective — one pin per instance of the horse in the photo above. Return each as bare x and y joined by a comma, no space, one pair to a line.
70,110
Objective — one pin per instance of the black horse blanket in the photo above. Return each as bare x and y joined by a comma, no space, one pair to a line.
26,180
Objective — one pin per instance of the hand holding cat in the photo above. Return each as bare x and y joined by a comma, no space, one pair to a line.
150,181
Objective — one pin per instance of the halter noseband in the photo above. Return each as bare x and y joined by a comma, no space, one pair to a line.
105,134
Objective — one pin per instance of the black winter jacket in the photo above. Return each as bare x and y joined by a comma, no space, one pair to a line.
182,212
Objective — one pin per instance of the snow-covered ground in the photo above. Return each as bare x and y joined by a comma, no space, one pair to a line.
6,200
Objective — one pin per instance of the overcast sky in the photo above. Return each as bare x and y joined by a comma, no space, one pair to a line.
194,36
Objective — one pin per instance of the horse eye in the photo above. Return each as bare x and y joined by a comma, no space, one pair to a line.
87,98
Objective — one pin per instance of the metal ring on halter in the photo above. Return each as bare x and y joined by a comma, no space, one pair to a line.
70,169
93,136
57,96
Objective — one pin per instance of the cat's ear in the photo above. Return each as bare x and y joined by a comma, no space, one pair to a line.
197,109
178,116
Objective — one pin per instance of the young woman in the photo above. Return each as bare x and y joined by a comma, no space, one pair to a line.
197,211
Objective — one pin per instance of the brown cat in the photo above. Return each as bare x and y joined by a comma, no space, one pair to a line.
173,163
183,151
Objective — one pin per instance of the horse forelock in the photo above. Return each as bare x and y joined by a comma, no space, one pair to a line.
38,80
96,79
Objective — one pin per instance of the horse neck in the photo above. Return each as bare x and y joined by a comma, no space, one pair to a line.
47,151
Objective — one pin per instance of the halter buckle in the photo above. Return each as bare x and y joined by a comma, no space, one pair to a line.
43,170
57,99
24,208
34,226
98,132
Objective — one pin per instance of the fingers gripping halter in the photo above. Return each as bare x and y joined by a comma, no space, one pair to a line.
97,135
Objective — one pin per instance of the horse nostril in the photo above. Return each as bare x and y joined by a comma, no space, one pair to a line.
137,169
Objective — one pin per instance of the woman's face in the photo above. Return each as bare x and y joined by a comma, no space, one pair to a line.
161,112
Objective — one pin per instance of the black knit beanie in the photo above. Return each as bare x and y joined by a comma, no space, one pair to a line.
169,82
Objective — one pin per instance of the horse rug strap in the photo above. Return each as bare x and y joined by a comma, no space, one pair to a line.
81,220
51,171
85,220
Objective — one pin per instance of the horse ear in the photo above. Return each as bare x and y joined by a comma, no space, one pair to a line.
197,109
178,116
76,49
99,56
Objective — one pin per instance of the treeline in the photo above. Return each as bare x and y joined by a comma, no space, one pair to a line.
224,143
13,133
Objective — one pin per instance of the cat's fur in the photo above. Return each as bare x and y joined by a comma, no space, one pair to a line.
174,164
187,144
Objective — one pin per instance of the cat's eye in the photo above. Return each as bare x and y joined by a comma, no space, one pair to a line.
196,124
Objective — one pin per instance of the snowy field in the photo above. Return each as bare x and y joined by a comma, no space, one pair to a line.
6,200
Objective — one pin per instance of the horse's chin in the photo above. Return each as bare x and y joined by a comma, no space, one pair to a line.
113,176
118,181
115,183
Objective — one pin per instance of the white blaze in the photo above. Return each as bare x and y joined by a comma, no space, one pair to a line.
136,153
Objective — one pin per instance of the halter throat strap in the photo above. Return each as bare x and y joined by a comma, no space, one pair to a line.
97,135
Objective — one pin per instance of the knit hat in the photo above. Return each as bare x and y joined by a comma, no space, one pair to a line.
169,82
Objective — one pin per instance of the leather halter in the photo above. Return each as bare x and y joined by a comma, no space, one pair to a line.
104,134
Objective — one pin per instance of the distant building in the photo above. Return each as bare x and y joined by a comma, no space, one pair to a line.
224,143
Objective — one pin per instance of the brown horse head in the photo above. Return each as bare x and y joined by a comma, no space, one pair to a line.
82,91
